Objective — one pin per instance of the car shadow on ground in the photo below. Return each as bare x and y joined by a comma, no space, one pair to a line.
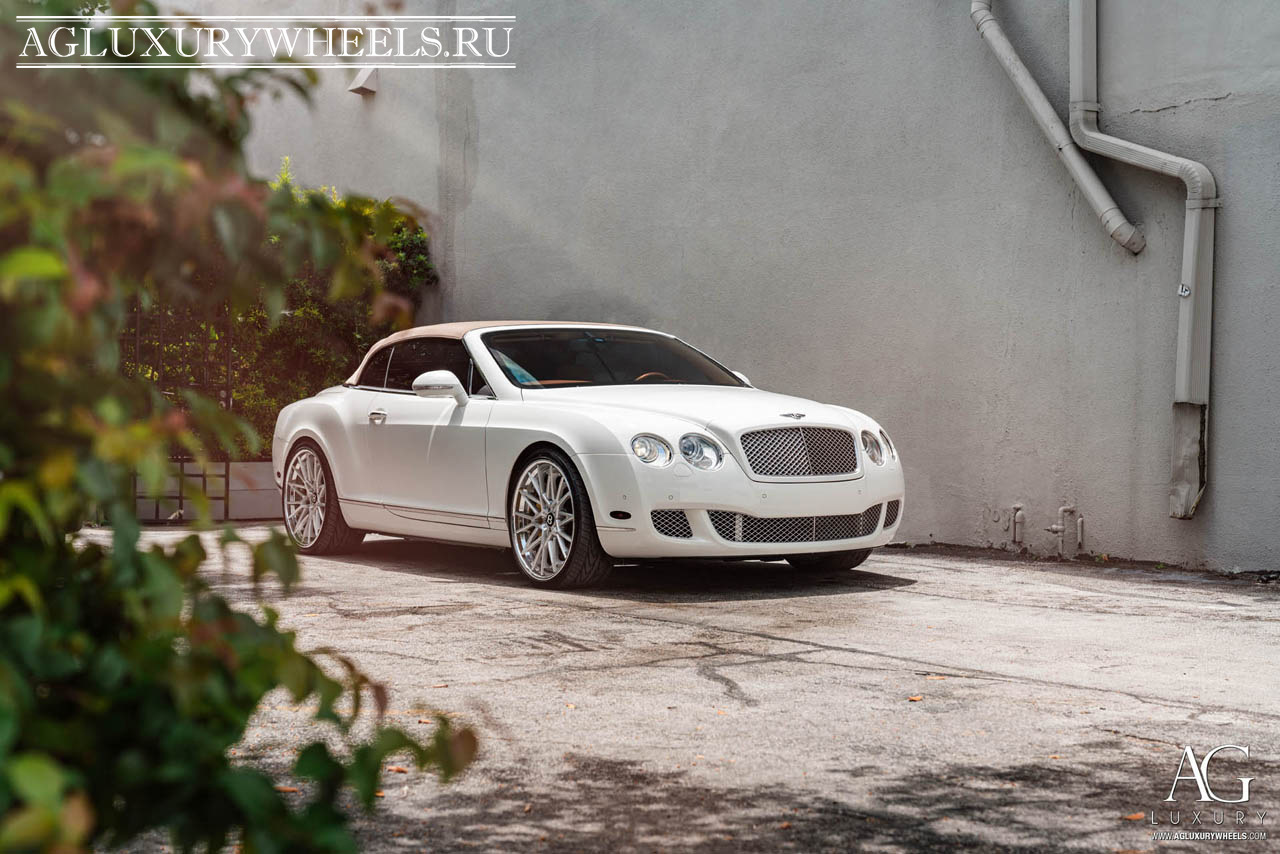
661,581
593,803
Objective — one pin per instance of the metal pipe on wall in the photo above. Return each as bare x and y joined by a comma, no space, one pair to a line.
1113,220
1195,291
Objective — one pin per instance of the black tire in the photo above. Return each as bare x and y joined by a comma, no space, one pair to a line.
829,561
336,536
587,563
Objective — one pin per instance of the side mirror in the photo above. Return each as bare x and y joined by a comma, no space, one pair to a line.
440,384
740,375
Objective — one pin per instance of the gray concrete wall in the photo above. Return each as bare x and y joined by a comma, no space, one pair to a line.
847,200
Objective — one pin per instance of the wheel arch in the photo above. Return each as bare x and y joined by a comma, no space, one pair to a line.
306,434
528,453
319,420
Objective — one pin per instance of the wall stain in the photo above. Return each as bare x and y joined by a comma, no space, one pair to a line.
459,133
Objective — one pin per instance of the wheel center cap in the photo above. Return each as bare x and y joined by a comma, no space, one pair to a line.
551,520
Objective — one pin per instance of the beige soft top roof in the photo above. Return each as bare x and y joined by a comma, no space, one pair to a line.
460,328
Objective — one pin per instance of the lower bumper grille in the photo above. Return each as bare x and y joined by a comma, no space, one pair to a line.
741,528
891,513
671,523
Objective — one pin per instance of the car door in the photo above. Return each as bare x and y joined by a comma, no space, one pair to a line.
429,450
353,465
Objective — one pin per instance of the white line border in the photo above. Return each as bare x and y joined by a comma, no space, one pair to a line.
298,17
281,66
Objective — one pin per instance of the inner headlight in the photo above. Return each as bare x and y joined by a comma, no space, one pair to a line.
701,452
871,446
651,450
888,446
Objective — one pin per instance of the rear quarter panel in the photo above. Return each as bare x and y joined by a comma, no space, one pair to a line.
326,419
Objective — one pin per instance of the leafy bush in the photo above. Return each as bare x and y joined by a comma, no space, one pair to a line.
278,357
124,679
319,339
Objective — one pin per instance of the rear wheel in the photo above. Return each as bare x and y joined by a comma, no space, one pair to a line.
312,516
553,532
829,561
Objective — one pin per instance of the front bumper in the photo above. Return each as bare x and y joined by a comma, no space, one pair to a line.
621,484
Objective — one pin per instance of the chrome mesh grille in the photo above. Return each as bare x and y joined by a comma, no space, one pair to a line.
724,522
741,528
671,523
801,451
891,512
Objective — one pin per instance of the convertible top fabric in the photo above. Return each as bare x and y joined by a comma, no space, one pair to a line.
460,328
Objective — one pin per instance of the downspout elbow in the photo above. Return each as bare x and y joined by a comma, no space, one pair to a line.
1123,232
1083,124
1104,206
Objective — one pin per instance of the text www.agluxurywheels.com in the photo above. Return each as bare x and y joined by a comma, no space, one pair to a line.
1196,835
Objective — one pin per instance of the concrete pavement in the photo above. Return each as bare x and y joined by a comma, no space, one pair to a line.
743,707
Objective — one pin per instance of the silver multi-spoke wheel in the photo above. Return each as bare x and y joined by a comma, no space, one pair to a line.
305,497
542,519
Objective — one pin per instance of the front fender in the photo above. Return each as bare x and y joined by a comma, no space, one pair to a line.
597,440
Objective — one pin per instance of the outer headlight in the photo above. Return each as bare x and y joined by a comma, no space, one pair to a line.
651,450
701,452
888,446
871,447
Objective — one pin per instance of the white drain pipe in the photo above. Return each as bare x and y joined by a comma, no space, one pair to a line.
1195,291
1120,229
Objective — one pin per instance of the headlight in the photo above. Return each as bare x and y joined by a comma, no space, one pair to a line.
871,446
651,450
888,446
701,452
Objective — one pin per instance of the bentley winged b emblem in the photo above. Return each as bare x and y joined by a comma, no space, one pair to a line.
796,415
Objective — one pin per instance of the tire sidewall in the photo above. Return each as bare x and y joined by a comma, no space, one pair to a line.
583,520
331,498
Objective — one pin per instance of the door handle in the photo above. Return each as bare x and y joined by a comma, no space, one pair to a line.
377,416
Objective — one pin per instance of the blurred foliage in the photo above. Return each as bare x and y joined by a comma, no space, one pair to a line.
315,342
124,679
320,337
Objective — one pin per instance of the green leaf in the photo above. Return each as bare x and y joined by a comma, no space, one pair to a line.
37,779
275,555
31,262
27,829
316,763
365,769
20,586
19,495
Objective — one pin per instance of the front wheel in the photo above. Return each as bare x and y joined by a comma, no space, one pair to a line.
829,561
553,532
312,516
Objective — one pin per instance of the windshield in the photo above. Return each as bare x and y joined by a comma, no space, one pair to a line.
556,358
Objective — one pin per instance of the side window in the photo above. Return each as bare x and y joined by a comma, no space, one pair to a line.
419,355
375,370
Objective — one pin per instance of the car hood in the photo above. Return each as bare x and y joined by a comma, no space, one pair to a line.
725,409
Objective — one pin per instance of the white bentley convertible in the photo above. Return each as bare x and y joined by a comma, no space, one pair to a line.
575,444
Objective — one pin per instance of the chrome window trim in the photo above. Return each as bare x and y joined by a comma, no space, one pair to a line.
472,370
